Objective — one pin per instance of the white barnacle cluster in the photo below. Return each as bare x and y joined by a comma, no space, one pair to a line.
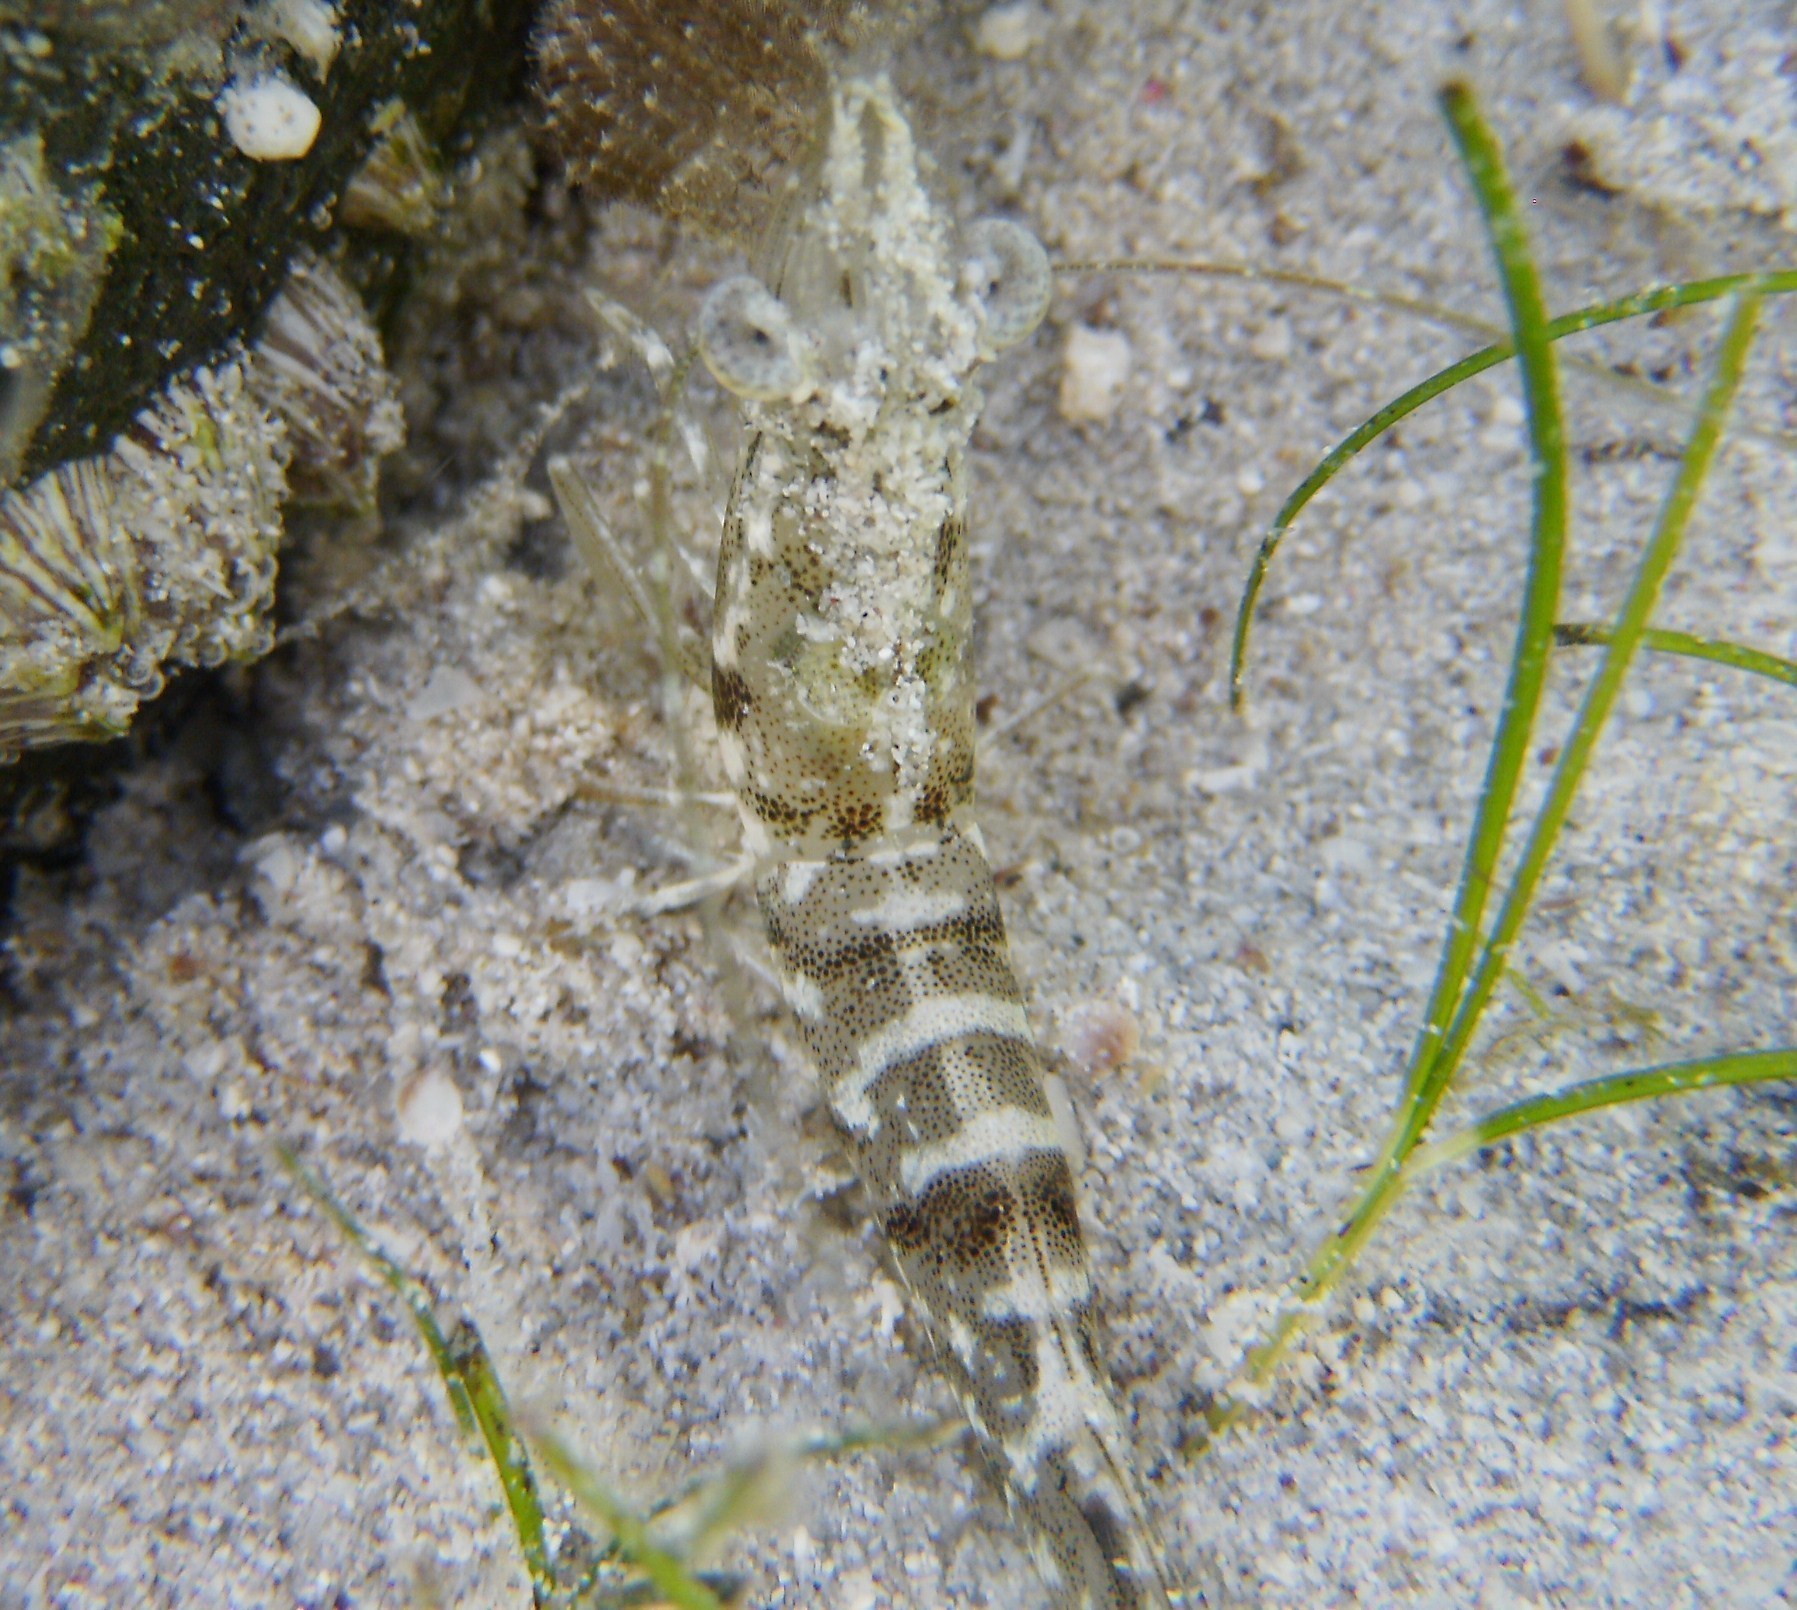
161,553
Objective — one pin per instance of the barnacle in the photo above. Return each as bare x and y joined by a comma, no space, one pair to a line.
400,187
65,668
159,553
319,368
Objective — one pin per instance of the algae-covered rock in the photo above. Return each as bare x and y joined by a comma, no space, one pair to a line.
137,239
177,358
120,567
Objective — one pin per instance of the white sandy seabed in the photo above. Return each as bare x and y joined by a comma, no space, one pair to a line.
1566,1373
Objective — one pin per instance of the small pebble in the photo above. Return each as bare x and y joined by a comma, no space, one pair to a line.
269,118
1094,366
1008,32
430,1110
448,689
1101,1036
1272,342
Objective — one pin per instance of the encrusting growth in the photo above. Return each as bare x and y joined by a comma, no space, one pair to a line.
844,699
320,370
161,553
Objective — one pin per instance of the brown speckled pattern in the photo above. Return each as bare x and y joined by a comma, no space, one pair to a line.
899,972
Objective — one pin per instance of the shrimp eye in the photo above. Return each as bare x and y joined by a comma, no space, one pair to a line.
1005,271
750,345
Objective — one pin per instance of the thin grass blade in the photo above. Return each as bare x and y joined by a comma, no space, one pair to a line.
1719,651
1658,299
677,1585
1480,152
1483,159
468,1377
1613,1090
1600,697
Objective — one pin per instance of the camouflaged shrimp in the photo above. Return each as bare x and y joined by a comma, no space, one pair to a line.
844,702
